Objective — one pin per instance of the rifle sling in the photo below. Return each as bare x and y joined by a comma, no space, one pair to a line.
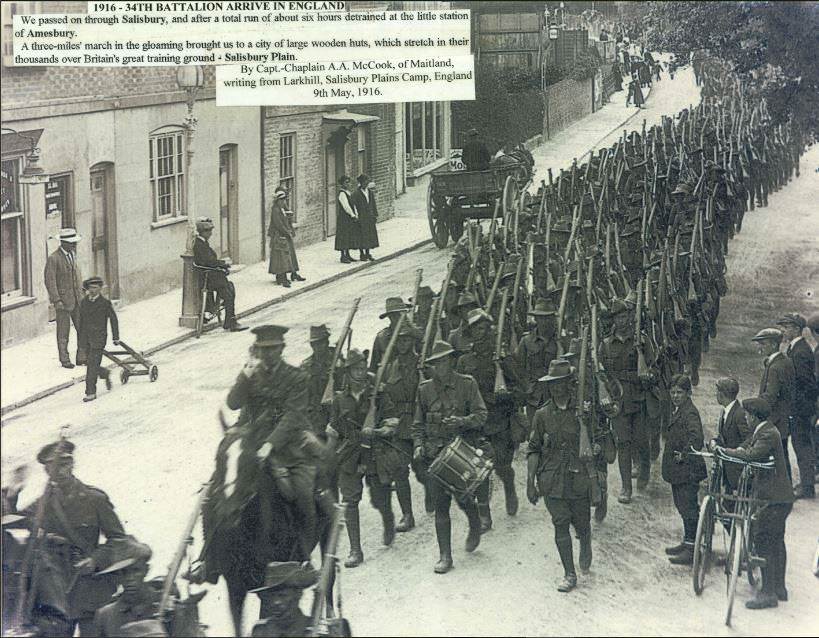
68,528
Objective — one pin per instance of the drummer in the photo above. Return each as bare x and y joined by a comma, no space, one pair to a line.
556,472
448,405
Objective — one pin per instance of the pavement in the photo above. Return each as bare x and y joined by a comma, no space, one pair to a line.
31,370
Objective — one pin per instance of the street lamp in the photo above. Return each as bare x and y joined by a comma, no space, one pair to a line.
32,173
190,79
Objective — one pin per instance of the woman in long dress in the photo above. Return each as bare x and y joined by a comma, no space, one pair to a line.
279,232
347,227
364,202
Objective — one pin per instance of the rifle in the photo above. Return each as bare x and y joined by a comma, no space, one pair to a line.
329,389
369,420
542,207
444,292
413,311
492,227
500,381
574,177
642,368
578,210
585,440
429,334
626,285
318,625
515,295
181,551
608,260
564,293
491,298
473,269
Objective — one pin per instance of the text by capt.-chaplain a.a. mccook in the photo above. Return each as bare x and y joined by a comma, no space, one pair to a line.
353,81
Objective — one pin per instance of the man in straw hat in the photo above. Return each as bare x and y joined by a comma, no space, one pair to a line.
776,385
556,473
284,583
449,404
62,281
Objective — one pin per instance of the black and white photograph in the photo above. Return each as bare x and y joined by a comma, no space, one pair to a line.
426,318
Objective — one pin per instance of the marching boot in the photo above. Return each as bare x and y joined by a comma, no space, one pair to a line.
485,517
404,493
429,503
624,461
569,582
389,527
443,532
602,509
473,539
585,552
356,556
509,492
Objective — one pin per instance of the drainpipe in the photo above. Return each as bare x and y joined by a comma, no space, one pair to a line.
261,179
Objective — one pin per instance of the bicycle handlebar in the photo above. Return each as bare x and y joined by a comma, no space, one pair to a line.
721,455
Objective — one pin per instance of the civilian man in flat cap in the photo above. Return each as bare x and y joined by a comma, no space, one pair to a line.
556,473
95,313
62,280
76,516
773,487
804,401
449,404
138,602
776,386
205,257
283,586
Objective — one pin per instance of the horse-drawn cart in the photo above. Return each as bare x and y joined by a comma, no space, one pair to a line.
455,196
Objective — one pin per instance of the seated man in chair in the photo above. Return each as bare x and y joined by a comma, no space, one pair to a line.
205,257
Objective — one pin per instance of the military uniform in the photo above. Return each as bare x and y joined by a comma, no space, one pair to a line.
457,396
285,580
76,515
562,479
534,354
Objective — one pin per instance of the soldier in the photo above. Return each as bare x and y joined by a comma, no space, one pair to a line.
273,398
535,351
776,386
618,356
423,305
556,473
355,456
804,401
480,364
395,307
75,516
398,402
449,404
459,337
317,366
280,596
138,602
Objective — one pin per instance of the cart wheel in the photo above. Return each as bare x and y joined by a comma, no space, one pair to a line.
702,543
456,226
437,214
509,198
124,376
153,373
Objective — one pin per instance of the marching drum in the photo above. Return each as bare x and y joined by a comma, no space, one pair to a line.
460,467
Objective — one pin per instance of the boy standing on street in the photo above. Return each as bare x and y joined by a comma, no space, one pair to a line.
95,311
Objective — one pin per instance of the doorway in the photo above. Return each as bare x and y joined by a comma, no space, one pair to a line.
335,167
103,228
228,201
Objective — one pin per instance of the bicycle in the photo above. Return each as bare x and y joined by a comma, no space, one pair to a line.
739,509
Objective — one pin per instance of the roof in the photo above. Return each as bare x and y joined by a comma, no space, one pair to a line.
17,142
345,116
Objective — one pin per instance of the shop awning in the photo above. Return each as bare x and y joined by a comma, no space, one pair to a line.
345,116
20,141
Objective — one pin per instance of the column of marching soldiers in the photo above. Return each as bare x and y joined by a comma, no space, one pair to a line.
557,329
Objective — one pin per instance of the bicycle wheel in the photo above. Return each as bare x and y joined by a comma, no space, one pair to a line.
752,565
734,558
702,543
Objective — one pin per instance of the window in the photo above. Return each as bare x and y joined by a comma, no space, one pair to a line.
287,166
12,221
361,153
167,173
